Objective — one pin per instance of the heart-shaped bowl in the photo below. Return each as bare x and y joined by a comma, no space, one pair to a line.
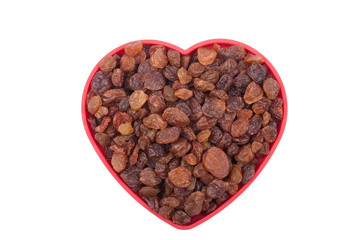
197,220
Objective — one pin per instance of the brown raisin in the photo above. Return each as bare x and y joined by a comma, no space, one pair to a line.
170,72
154,121
276,109
94,104
216,162
153,80
137,99
248,172
183,93
174,58
225,82
221,94
250,58
127,63
180,176
257,72
103,139
149,191
180,218
175,117
190,159
196,69
214,107
230,67
180,147
183,76
245,154
269,133
159,58
149,177
168,135
107,64
156,104
185,61
101,82
234,104
193,203
211,76
119,162
168,94
206,56
253,93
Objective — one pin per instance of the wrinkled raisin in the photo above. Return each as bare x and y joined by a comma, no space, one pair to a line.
206,56
180,177
175,117
168,135
253,93
257,72
196,69
107,64
216,162
153,80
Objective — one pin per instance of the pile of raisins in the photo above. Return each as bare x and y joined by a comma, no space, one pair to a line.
184,131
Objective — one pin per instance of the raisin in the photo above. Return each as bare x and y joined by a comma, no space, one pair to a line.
203,85
203,135
180,147
107,64
103,139
269,133
196,69
232,150
185,61
145,67
180,218
159,58
127,63
119,162
174,58
170,72
154,121
257,72
168,94
221,94
271,88
250,58
239,127
260,107
149,177
180,177
131,176
241,140
104,124
188,134
137,99
101,82
248,173
92,121
234,104
264,150
225,141
190,159
226,122
182,105
199,96
193,203
230,67
168,135
102,111
253,93
175,117
241,82
214,107
276,109
205,122
225,82
245,154
216,162
197,149
183,93
211,76
217,188
206,56
255,124
236,174
166,212
216,135
170,201
266,117
153,80
149,191
156,104
199,171
183,76
155,151
196,110
135,82
152,202
140,57
236,52
94,104
133,49
256,146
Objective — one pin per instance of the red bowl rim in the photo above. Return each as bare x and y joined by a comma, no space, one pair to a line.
222,42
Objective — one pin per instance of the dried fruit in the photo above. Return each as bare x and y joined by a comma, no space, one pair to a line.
253,93
154,121
180,177
181,218
159,58
166,212
174,58
153,80
206,56
203,135
183,93
216,162
225,82
101,82
257,72
190,159
180,147
239,127
211,76
269,133
196,69
193,203
170,72
94,104
127,63
119,162
271,88
107,64
175,117
230,67
214,107
183,76
245,154
248,173
276,109
168,135
203,85
149,177
236,174
133,49
250,58
156,104
137,99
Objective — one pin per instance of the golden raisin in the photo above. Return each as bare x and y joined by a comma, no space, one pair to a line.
137,99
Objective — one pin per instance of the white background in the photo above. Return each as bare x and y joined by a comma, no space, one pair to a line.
52,183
